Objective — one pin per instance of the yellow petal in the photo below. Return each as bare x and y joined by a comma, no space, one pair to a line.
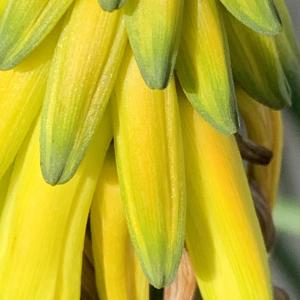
150,166
42,227
118,273
81,78
256,64
203,65
223,236
2,5
264,129
21,94
24,24
259,15
153,28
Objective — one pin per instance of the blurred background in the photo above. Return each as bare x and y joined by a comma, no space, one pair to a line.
286,255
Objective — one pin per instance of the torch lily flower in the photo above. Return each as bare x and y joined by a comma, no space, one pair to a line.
119,163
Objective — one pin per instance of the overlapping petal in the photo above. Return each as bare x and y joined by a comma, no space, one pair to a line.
203,65
256,65
223,236
118,272
259,15
21,95
24,24
138,215
82,75
42,227
150,166
154,28
288,51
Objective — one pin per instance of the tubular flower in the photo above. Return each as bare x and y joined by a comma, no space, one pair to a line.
163,85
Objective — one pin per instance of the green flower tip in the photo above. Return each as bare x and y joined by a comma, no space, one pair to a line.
111,5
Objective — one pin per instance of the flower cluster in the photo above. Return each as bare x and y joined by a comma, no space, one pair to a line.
121,146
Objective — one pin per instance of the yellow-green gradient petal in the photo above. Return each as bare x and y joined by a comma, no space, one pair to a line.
223,237
150,166
288,50
21,94
110,5
118,273
42,227
24,24
154,28
82,75
256,64
259,15
203,65
264,129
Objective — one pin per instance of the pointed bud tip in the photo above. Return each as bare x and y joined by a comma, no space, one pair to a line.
160,281
158,81
111,5
6,64
56,174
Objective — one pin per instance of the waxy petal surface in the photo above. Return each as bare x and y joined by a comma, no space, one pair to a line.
42,227
259,15
288,50
118,272
256,65
154,28
21,94
149,158
82,75
203,65
24,25
223,237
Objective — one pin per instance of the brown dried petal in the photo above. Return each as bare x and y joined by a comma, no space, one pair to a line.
184,286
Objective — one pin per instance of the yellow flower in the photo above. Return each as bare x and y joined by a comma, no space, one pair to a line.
156,82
